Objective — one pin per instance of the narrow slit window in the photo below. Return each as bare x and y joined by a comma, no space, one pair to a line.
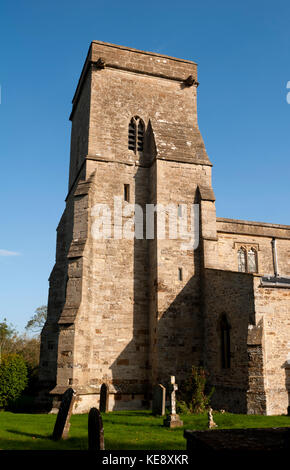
127,192
179,210
180,274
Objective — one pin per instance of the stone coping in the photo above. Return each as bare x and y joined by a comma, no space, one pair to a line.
252,222
252,228
139,51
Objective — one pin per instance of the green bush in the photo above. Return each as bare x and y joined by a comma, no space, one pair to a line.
13,378
191,397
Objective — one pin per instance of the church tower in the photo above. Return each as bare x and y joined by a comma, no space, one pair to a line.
123,310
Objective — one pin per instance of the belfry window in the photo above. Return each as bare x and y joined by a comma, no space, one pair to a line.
247,259
225,342
136,134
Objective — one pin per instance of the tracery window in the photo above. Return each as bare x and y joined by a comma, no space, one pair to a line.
247,259
136,134
252,261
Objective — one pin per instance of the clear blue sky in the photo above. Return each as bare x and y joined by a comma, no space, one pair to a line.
243,53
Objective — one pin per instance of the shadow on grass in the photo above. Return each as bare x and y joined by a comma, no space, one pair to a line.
72,443
145,414
111,444
28,434
127,423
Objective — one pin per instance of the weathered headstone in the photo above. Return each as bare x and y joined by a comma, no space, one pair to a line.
95,430
211,423
158,402
173,420
104,398
62,424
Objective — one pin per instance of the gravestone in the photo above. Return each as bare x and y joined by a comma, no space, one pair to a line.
173,420
158,402
104,398
95,430
62,424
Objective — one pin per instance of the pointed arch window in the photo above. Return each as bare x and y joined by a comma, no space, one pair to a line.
247,259
242,260
136,131
252,261
225,342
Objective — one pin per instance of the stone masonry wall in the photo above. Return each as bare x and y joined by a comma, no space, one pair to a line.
233,234
272,309
118,310
231,294
178,336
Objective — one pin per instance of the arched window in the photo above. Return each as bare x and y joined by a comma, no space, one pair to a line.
247,259
242,262
252,260
136,134
225,342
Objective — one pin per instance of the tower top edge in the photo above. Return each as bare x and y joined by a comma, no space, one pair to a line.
133,60
139,51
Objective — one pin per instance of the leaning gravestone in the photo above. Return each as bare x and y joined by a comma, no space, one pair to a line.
62,424
104,398
95,430
158,402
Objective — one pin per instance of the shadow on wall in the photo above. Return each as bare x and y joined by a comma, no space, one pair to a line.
160,347
188,331
229,295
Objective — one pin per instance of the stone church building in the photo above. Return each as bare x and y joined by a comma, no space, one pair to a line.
130,312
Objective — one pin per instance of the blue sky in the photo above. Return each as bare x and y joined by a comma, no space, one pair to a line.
243,55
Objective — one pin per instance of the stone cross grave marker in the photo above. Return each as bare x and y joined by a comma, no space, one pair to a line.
62,424
173,420
104,398
95,430
158,402
211,424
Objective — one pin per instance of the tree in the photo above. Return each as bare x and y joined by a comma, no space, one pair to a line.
35,324
13,378
192,397
7,336
28,348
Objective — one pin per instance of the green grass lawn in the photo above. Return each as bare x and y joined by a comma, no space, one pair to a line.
127,430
